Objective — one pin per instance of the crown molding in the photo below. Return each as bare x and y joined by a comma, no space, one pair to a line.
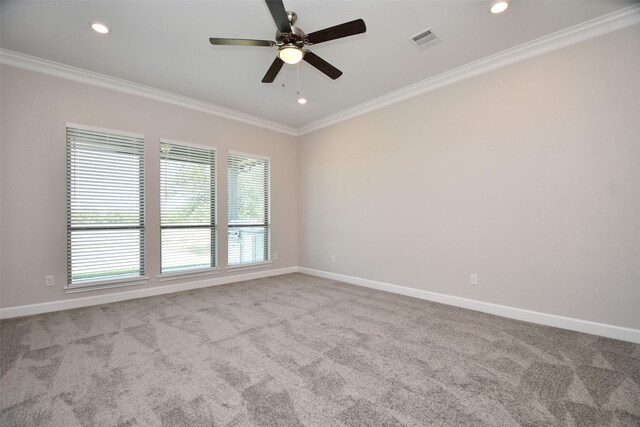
56,69
596,27
572,35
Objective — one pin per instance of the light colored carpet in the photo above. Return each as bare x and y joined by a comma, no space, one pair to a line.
298,350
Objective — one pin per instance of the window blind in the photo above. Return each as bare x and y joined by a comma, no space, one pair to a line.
105,206
187,207
249,216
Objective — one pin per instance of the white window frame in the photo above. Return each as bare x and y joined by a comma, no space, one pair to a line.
97,284
267,224
164,276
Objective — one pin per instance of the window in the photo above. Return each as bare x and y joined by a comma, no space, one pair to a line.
249,222
105,206
187,207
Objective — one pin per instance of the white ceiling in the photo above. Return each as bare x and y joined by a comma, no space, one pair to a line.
164,44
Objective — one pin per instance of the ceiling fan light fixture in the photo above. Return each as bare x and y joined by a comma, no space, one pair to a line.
290,53
499,6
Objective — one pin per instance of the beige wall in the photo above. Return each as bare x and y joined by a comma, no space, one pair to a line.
35,109
528,176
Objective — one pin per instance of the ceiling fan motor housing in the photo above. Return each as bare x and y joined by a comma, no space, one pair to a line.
296,36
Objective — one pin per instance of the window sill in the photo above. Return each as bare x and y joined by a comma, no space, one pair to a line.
185,274
106,284
249,266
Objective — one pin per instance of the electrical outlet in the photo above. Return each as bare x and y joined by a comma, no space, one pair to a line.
473,279
333,258
275,256
48,281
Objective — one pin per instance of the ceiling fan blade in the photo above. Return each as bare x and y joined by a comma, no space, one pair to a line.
279,13
273,71
240,42
322,65
338,31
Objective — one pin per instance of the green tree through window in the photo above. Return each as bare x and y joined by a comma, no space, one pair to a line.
188,228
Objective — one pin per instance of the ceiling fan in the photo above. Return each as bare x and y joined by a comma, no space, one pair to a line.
291,41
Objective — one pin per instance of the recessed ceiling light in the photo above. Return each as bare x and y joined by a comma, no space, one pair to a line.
99,28
302,100
499,6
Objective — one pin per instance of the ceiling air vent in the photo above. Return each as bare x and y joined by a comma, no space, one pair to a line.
427,37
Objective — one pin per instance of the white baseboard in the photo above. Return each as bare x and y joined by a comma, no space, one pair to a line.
601,329
46,307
